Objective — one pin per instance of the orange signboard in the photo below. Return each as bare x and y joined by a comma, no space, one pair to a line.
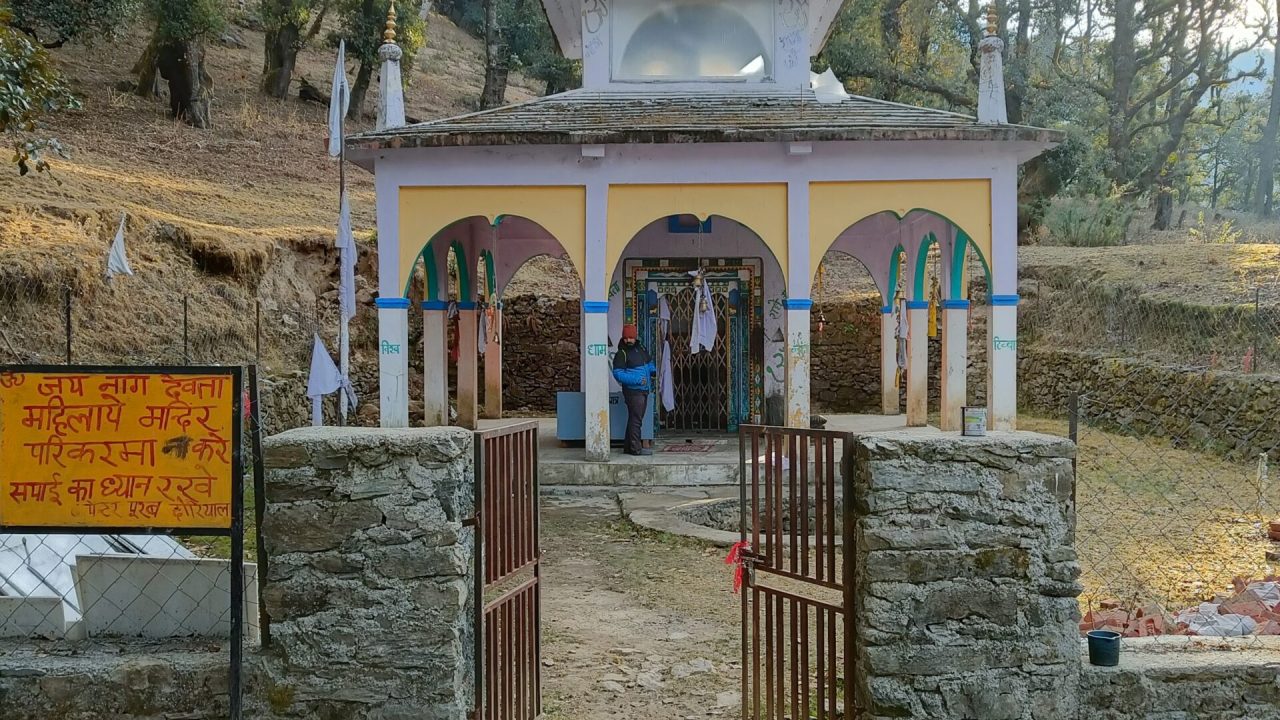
118,447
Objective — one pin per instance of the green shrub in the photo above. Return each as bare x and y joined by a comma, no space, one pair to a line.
1088,222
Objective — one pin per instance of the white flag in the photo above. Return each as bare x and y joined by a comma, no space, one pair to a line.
338,101
346,245
117,261
325,378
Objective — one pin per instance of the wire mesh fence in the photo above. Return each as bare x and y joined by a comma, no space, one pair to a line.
1176,412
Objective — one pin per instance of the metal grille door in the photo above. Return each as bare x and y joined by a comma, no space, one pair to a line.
797,599
703,382
508,575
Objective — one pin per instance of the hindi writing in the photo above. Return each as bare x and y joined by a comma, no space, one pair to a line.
116,449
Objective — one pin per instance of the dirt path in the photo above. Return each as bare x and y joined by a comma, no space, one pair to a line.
636,625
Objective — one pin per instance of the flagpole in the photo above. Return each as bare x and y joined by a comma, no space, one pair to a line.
344,340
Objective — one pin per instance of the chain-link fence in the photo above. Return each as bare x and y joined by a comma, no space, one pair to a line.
1176,411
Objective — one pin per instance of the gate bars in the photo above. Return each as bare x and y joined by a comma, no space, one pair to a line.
508,590
797,524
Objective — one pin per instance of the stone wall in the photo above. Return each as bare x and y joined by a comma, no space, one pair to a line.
1238,681
369,574
1229,413
540,352
965,579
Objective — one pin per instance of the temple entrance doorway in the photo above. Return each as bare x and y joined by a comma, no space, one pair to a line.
709,380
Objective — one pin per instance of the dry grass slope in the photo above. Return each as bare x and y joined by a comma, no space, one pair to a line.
240,212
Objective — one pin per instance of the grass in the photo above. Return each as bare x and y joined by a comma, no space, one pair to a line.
1162,524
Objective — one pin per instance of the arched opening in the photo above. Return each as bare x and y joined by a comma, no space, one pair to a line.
459,278
713,380
917,263
541,334
845,336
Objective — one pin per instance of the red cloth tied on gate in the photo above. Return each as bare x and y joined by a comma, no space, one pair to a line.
736,558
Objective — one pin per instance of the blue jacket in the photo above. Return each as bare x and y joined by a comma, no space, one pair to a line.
632,368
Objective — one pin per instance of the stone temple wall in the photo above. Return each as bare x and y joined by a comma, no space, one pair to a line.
368,584
965,577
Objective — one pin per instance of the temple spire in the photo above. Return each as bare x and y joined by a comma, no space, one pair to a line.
391,95
991,102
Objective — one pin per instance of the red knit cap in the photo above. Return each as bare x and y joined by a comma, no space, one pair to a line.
629,332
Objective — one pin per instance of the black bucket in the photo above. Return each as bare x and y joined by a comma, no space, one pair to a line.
1104,648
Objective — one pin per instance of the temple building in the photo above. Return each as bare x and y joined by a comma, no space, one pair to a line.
700,153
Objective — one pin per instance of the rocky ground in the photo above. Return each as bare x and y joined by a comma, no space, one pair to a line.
636,624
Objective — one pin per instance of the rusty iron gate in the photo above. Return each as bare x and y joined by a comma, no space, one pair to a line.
796,527
508,586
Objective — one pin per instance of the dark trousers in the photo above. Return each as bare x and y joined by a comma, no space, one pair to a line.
637,403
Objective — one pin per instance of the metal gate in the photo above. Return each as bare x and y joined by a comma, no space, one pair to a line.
797,532
508,575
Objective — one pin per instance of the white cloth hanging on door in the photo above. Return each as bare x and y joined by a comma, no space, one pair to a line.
482,332
666,379
704,332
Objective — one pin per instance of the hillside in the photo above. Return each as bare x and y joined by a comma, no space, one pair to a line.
242,212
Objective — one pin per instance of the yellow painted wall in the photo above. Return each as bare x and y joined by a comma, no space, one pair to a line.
760,206
835,206
424,211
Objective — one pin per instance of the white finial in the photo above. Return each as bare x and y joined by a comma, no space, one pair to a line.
991,104
391,104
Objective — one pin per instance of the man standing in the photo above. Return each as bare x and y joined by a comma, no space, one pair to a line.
632,368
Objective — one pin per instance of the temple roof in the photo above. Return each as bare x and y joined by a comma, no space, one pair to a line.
603,117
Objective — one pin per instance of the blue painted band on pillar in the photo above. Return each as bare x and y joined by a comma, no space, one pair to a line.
886,310
799,304
435,305
955,304
595,307
1007,300
466,305
917,304
392,303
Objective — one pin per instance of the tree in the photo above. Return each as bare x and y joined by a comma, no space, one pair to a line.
30,88
363,22
496,68
177,51
54,22
1264,199
524,43
284,21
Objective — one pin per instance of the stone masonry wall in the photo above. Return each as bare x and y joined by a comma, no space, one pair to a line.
369,574
540,351
1230,413
966,577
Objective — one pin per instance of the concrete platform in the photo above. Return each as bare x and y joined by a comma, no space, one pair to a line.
678,460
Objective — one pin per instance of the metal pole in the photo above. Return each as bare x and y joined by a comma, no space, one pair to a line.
66,319
344,340
1073,432
259,495
186,348
1257,329
257,333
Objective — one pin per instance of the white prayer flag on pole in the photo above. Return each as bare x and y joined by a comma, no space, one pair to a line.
325,378
117,260
339,99
346,244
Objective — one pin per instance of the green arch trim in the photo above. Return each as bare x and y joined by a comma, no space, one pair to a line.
922,263
466,272
957,263
490,274
432,291
900,218
890,294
